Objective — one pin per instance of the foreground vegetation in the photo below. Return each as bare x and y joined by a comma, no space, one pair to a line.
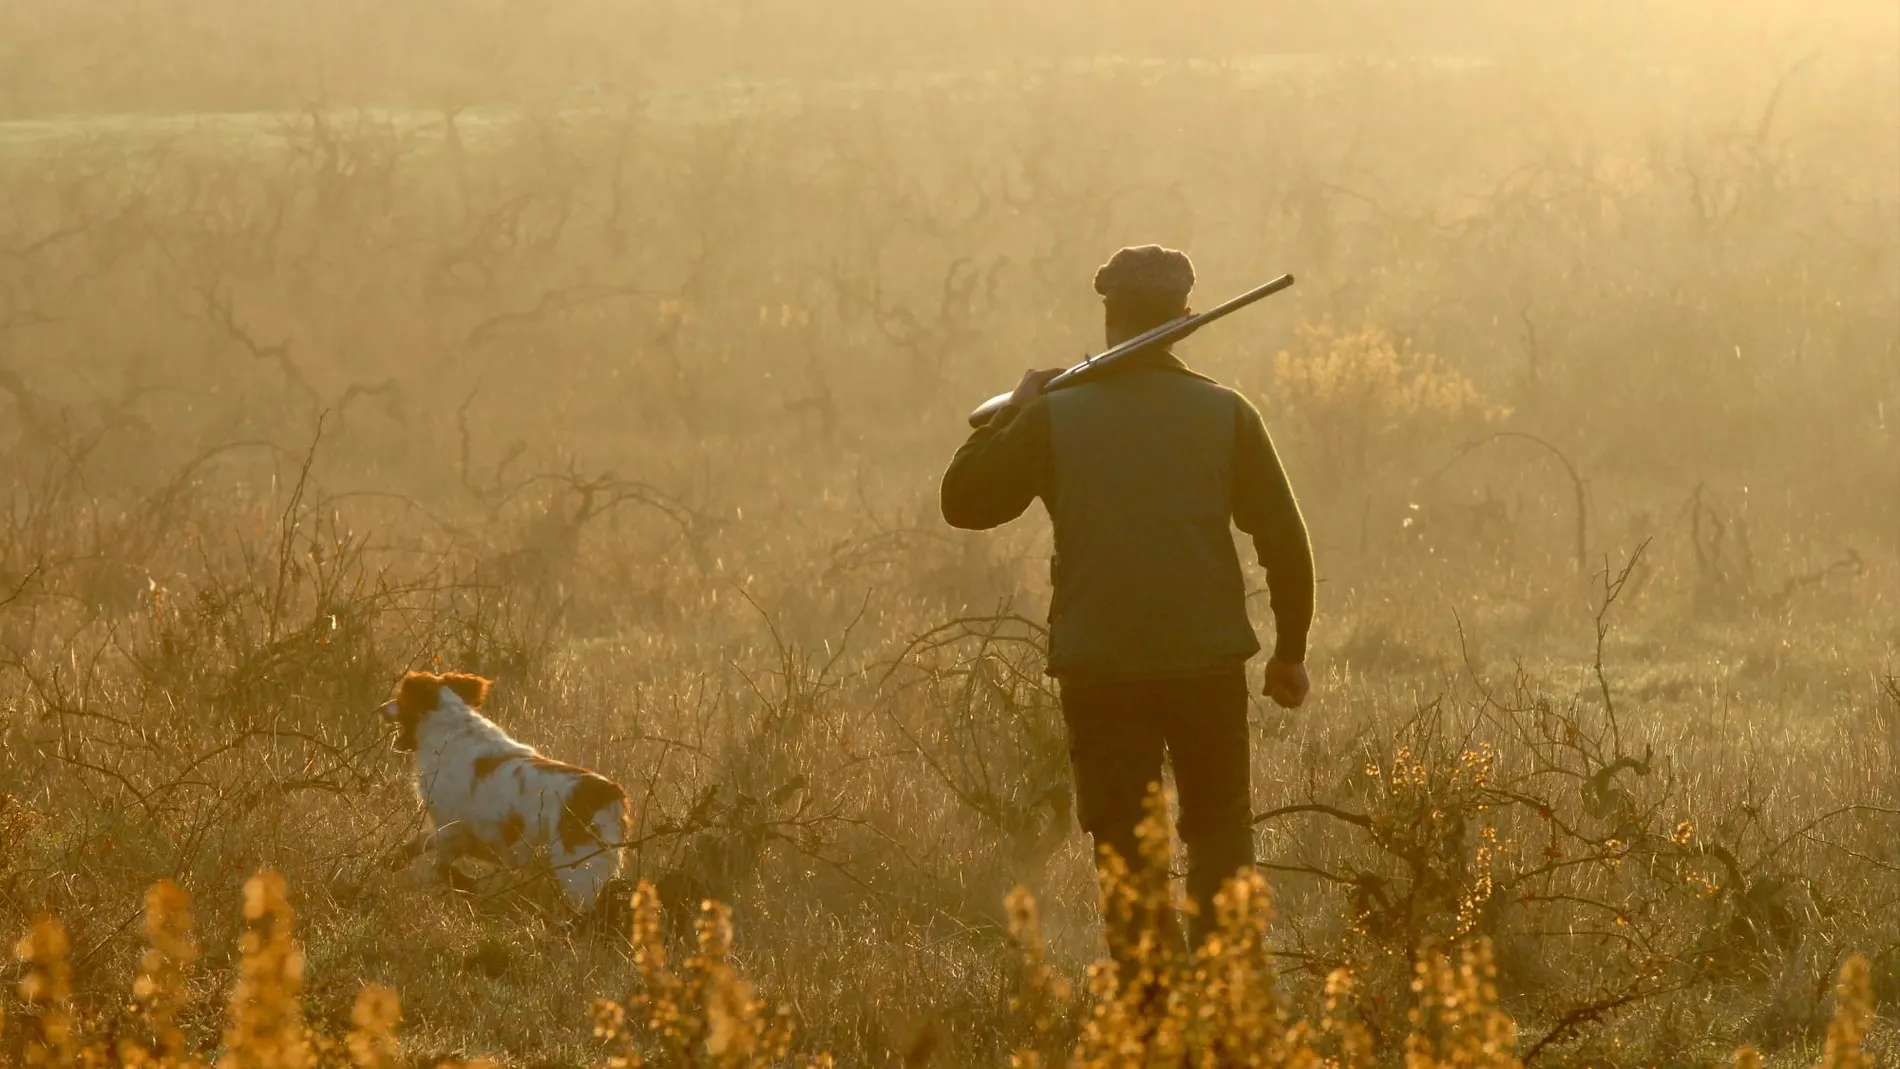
1218,1006
638,407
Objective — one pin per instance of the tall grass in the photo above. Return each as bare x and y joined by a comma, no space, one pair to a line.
634,398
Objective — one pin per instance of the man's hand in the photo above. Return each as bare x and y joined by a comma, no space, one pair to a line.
1286,684
1031,387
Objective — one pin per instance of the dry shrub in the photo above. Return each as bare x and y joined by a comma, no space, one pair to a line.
1457,1021
707,1018
267,1029
1156,1004
1846,1030
47,990
159,992
1364,400
1151,1004
1220,1005
1853,1010
372,1040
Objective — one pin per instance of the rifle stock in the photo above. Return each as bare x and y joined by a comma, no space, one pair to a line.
1160,335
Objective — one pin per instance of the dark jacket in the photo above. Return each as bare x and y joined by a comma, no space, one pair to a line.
1142,470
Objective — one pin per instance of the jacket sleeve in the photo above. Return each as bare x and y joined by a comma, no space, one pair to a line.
1003,467
1265,508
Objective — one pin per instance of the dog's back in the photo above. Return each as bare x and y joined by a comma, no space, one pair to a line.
487,793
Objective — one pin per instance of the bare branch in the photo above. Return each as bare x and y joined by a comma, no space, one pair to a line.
1612,589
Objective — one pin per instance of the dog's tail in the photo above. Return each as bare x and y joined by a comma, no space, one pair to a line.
590,850
596,812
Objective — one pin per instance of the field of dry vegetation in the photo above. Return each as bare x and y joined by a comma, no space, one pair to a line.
365,339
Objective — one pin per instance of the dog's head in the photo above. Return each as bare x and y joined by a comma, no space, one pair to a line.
421,693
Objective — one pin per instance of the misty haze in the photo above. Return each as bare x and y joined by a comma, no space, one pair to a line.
500,560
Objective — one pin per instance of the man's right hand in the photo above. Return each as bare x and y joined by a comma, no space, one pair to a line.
1286,683
1031,387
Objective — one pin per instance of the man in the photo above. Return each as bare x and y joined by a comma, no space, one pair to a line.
1142,468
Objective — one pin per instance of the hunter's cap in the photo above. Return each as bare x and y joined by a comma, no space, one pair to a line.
1146,272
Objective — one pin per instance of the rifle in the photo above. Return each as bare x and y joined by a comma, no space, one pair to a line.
1161,335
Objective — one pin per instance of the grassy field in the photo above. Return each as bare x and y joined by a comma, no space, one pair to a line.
1592,399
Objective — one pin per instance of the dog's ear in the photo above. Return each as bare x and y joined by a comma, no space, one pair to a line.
418,692
473,690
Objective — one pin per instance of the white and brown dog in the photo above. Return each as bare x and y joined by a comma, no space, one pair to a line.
490,796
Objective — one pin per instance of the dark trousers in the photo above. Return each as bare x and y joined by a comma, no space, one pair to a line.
1119,733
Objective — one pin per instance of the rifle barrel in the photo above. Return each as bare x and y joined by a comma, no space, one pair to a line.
1160,335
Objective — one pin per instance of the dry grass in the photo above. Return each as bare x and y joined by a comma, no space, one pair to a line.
635,399
1153,1007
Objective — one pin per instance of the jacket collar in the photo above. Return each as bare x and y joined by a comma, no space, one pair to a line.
1157,359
